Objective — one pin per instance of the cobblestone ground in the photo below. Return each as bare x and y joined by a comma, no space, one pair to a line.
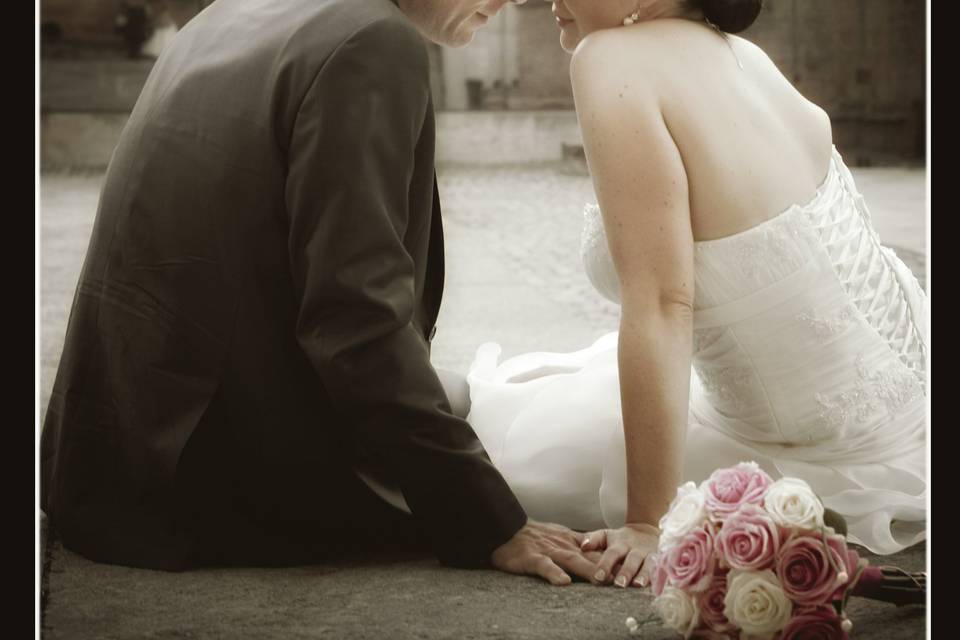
513,276
512,246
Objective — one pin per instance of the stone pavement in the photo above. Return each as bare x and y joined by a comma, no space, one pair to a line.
513,276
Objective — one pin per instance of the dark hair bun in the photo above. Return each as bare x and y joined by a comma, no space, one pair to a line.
731,16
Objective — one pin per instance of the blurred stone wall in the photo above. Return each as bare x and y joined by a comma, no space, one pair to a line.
82,20
864,61
91,22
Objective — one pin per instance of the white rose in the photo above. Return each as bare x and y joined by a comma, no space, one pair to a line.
687,512
792,503
756,602
678,610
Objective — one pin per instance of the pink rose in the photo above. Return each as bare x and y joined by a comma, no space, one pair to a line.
727,489
711,604
658,575
749,539
807,573
691,562
814,623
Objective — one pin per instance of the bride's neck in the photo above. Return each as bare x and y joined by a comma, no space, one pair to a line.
676,12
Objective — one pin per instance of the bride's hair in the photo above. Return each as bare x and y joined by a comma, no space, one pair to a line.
730,16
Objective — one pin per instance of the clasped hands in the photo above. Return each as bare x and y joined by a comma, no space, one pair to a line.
605,556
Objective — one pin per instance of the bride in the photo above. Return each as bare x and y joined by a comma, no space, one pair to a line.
761,318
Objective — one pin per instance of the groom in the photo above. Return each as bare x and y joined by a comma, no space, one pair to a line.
253,320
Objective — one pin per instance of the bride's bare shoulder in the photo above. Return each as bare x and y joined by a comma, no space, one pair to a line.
609,59
644,53
614,47
657,48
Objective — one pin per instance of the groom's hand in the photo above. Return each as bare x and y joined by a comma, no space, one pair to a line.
550,551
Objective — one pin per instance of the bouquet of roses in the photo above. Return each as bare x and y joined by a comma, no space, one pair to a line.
742,553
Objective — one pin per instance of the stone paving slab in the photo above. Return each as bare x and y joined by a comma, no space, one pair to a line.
513,276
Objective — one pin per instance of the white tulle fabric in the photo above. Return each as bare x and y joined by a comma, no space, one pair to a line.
810,351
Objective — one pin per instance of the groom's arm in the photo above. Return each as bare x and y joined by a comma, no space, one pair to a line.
350,164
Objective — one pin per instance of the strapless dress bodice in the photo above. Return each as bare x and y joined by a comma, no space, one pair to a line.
807,330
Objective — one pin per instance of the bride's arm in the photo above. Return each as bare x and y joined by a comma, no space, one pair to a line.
641,186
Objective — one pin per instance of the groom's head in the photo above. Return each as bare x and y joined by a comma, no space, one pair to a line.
452,22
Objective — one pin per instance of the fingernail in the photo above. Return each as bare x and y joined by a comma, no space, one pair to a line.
585,542
642,580
620,581
600,575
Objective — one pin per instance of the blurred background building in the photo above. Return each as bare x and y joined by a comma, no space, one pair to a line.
507,97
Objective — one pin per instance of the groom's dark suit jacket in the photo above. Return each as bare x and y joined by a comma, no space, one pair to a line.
267,254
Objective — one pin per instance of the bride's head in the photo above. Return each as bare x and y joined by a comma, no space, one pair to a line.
578,18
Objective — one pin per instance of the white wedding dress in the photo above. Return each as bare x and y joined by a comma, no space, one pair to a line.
809,357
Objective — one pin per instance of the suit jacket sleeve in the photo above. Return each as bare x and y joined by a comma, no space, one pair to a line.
350,163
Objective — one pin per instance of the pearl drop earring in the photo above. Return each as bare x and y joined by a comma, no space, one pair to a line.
631,19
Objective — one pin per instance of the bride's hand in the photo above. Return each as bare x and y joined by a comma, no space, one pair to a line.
627,547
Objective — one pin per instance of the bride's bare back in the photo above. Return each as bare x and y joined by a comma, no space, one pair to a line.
751,144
